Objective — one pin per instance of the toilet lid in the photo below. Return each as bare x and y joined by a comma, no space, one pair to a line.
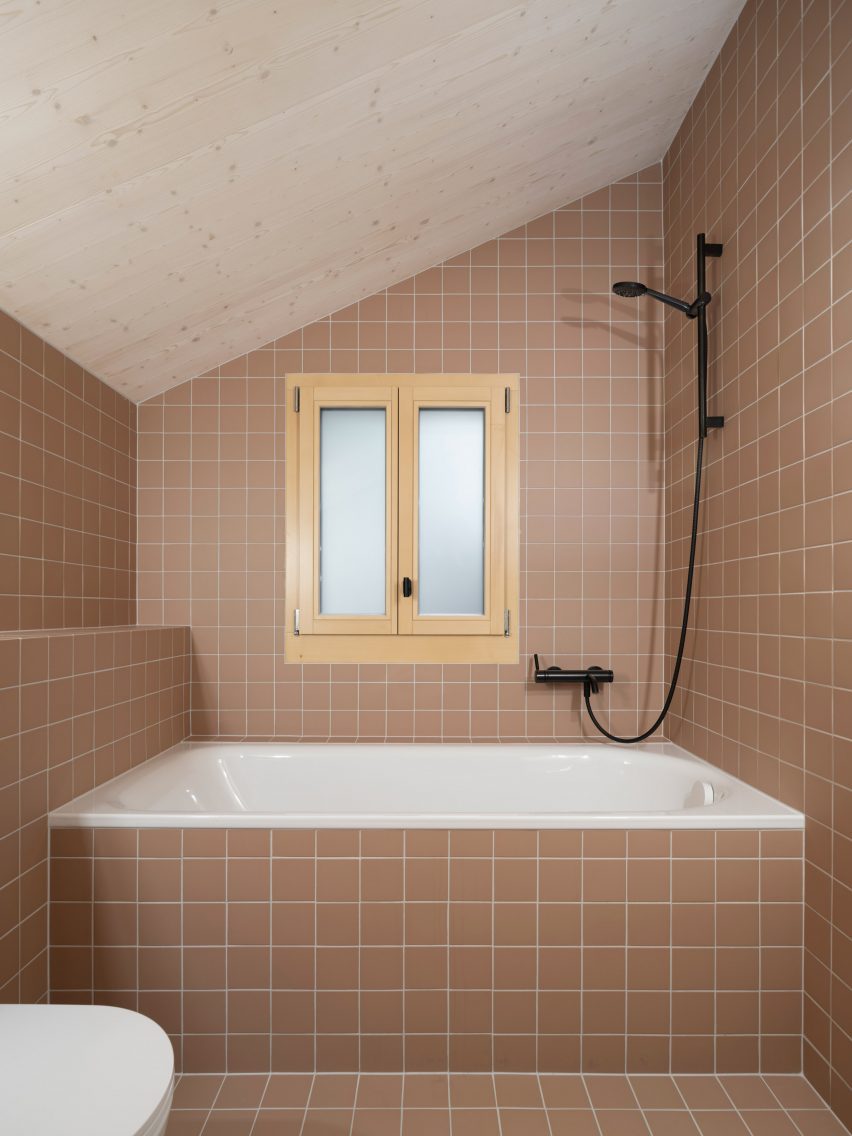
81,1071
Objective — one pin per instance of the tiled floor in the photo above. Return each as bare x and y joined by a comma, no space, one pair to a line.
509,1104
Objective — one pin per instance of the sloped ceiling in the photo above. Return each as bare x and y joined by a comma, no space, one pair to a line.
182,181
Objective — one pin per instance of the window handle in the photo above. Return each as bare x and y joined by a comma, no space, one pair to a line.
406,586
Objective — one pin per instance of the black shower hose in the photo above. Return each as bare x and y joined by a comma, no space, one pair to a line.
687,599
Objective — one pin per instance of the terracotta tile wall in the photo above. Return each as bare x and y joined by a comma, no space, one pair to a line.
536,301
76,708
67,491
425,950
762,163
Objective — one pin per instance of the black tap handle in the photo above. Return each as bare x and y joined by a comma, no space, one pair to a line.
592,679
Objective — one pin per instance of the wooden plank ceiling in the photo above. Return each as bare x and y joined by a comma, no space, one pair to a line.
183,181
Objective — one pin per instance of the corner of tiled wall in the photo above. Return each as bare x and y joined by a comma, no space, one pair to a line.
761,163
84,692
67,491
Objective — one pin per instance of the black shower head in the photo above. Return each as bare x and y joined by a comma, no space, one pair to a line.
629,289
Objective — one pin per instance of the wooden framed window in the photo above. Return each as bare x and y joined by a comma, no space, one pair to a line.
402,518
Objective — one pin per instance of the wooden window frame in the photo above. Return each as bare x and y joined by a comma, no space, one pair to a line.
401,635
313,399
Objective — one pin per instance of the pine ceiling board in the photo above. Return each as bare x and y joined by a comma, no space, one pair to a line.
211,203
260,261
183,182
321,289
150,213
246,152
154,102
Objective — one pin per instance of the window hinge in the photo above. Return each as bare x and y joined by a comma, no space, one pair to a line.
507,626
296,399
508,402
295,621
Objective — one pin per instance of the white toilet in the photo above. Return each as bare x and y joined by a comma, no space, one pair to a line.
83,1071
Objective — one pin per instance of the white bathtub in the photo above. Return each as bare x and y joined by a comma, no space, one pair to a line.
286,785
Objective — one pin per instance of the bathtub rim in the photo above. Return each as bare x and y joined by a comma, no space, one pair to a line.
777,815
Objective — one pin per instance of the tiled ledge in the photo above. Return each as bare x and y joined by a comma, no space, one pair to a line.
54,632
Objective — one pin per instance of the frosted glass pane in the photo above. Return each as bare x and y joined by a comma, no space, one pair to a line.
352,511
451,516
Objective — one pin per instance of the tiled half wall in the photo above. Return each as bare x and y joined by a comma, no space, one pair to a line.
76,708
291,950
536,301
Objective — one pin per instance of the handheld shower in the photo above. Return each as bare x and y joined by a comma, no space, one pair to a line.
631,289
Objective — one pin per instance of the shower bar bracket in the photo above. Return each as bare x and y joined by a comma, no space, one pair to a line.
590,677
703,249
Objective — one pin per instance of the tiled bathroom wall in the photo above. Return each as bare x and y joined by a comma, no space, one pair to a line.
67,491
762,163
378,950
535,301
76,708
